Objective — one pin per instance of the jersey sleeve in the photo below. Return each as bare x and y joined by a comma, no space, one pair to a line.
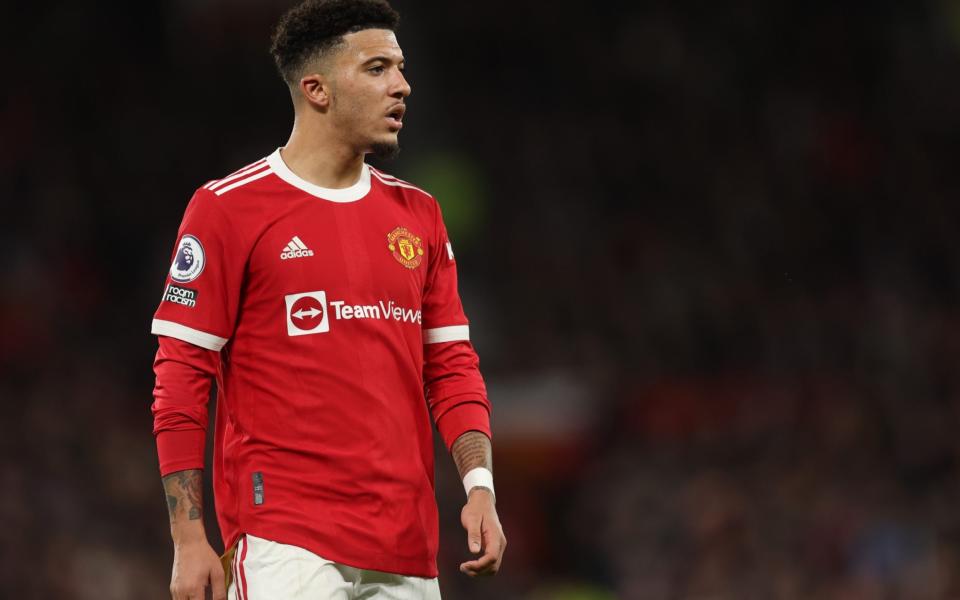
201,293
443,316
454,387
184,373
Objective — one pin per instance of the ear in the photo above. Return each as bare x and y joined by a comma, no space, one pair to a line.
315,90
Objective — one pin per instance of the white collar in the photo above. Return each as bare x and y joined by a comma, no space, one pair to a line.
347,194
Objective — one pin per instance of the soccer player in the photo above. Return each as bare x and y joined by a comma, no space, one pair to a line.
321,293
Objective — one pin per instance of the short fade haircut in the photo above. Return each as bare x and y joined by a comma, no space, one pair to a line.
308,30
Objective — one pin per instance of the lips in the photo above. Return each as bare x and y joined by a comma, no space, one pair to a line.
395,116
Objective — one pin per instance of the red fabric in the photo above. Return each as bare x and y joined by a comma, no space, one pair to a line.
470,413
325,386
183,377
455,390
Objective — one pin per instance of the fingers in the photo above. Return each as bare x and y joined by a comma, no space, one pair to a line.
196,593
481,566
493,546
218,584
472,523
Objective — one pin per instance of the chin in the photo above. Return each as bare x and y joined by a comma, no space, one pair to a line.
385,149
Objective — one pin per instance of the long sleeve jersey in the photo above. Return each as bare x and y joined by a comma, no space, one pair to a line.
331,322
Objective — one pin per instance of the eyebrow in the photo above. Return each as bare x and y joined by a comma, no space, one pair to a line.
385,59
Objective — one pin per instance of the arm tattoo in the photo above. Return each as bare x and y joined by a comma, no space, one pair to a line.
184,489
472,450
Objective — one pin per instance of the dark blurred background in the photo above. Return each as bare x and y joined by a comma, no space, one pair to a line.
708,251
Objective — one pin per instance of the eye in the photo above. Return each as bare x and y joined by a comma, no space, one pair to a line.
377,70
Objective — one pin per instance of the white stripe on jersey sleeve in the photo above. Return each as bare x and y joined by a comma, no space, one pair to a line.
237,174
187,334
397,183
453,333
245,181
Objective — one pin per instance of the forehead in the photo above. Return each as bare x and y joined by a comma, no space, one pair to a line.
368,43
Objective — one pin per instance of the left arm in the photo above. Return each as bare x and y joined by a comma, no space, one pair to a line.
479,517
458,402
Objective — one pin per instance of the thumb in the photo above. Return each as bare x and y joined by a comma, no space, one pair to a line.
218,584
472,525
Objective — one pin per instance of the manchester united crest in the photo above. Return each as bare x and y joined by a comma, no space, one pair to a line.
406,247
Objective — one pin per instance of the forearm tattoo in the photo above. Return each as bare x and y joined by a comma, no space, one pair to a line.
185,491
472,450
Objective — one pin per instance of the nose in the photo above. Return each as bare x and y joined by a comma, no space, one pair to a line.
401,89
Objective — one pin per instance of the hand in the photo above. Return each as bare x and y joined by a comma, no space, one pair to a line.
195,565
484,533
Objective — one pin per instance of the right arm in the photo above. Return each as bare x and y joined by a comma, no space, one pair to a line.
193,322
180,417
195,564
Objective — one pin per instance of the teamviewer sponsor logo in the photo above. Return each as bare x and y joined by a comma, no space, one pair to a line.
180,295
381,310
307,313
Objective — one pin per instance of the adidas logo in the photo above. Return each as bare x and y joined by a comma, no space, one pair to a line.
295,249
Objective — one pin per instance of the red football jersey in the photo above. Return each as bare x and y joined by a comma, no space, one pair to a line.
331,310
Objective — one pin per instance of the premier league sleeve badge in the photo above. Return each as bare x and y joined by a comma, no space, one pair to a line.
189,260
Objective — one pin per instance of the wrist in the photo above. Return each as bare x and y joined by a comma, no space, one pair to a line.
479,478
188,534
480,491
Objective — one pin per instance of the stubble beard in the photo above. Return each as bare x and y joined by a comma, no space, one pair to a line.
385,150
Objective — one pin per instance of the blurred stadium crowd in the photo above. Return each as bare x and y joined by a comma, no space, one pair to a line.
708,251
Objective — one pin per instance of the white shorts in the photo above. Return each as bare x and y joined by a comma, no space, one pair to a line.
265,570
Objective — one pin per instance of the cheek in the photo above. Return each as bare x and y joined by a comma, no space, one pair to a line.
357,109
366,111
354,107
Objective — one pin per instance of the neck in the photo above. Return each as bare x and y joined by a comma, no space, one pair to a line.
317,155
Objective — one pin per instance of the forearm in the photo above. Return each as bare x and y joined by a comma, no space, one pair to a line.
184,490
472,450
196,565
455,390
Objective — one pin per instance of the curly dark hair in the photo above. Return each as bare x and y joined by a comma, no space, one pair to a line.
313,27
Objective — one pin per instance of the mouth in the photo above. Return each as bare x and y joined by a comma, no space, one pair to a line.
395,116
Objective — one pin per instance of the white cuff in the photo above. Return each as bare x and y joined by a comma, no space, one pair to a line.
478,477
453,333
188,334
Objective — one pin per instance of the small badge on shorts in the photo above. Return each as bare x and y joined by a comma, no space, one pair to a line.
258,488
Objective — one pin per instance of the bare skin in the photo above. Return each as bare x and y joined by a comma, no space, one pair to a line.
196,565
341,105
479,517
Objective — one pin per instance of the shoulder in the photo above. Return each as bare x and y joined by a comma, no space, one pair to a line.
237,179
399,186
231,200
416,201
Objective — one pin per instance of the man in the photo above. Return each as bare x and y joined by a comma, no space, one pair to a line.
321,293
